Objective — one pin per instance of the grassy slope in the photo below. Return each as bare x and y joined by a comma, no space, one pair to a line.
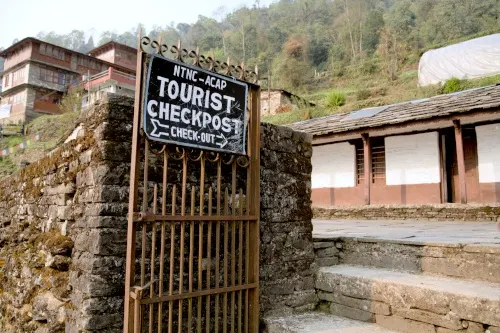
382,92
53,130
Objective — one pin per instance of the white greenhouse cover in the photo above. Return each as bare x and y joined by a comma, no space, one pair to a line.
472,59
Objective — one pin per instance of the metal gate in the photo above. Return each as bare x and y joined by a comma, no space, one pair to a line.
193,228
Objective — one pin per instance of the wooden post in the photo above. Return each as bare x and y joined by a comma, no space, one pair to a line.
460,161
367,160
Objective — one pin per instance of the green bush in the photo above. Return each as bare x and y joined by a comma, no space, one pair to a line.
369,67
363,94
452,85
335,98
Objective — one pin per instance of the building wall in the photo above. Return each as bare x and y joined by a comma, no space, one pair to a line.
30,105
412,173
36,78
488,154
72,61
108,56
275,102
22,54
126,58
50,59
18,101
14,77
334,166
412,159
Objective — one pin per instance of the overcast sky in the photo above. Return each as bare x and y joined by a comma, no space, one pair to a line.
24,18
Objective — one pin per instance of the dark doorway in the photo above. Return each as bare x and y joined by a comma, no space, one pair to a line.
451,186
450,167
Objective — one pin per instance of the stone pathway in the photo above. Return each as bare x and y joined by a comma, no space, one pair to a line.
411,231
320,323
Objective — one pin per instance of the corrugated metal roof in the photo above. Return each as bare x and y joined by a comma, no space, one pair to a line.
439,106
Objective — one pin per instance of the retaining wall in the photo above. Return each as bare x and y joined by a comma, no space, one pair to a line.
63,228
438,212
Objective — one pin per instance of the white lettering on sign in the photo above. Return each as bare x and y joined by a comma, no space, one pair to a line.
194,107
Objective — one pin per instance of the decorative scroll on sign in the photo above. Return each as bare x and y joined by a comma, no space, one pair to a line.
190,106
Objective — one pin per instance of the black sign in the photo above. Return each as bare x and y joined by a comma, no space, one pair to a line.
189,106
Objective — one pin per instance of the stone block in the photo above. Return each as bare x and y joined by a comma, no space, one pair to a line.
450,320
493,329
107,242
280,287
447,330
325,262
470,266
330,297
365,305
323,245
403,325
477,310
108,321
68,188
301,298
327,252
475,328
47,308
348,312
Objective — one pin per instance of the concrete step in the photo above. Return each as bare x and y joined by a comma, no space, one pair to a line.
319,323
410,303
446,257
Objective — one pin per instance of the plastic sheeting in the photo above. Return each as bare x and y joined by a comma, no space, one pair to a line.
479,57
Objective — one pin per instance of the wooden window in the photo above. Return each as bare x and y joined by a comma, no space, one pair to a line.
18,98
48,76
360,162
7,80
19,74
52,51
51,76
378,160
82,61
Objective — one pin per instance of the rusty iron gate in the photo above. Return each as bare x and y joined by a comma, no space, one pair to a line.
193,227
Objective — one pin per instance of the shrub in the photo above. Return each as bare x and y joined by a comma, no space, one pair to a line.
283,108
452,85
363,94
379,91
369,67
335,98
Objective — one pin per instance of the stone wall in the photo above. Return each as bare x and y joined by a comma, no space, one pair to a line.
441,212
287,255
63,228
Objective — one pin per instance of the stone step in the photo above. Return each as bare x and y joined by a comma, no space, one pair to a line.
410,303
317,322
471,261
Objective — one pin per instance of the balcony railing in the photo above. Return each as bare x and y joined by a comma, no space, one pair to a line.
110,74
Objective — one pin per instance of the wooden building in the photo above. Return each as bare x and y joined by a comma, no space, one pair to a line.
37,74
435,150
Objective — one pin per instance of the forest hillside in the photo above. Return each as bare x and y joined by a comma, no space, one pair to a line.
341,54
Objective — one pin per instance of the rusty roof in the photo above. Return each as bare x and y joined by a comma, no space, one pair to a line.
478,99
